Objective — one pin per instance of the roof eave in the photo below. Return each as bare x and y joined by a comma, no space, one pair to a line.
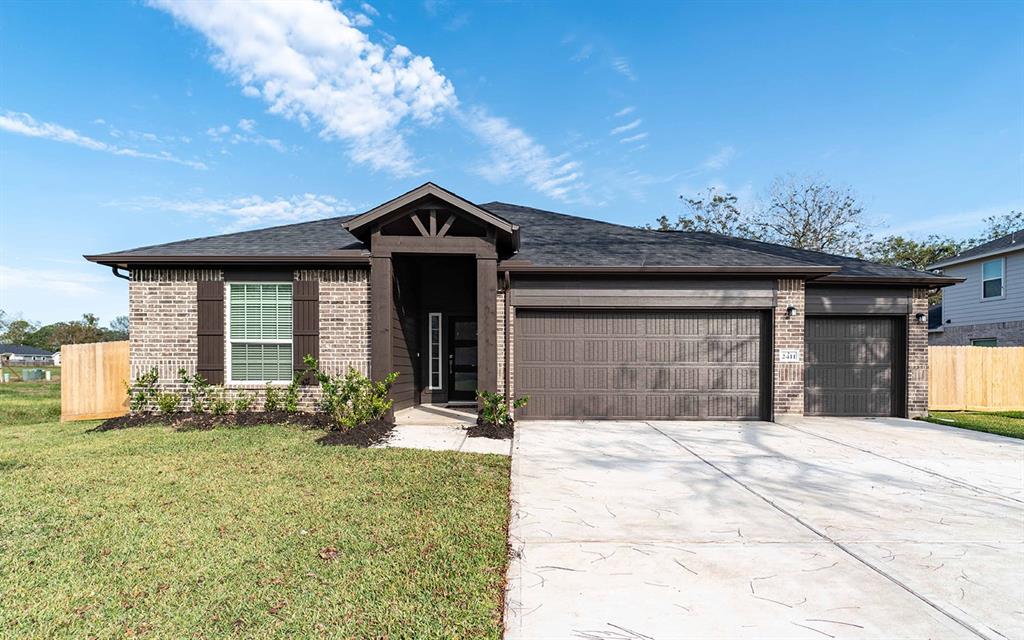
948,262
926,281
513,266
124,260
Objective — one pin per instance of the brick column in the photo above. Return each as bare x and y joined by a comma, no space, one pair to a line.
788,378
917,356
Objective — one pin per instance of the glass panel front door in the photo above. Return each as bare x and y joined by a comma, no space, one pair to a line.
462,360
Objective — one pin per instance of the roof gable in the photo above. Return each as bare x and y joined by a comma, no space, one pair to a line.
1005,244
360,225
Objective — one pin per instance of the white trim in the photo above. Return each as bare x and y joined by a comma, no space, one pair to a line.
1001,279
228,380
430,352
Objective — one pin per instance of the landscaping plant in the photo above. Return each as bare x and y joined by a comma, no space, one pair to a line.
142,391
218,402
353,399
272,400
244,402
168,402
197,390
494,410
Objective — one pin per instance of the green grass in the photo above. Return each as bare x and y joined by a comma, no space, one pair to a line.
29,402
1003,423
219,533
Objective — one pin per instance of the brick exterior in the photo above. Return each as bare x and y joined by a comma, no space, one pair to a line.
788,379
504,362
1007,334
917,356
163,315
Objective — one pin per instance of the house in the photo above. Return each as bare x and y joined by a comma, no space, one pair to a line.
589,319
56,358
19,354
987,308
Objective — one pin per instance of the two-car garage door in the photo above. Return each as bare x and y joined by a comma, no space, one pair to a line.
640,364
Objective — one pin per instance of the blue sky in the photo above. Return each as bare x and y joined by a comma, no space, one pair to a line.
125,124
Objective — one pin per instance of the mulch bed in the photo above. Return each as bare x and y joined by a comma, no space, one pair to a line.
490,430
189,421
365,435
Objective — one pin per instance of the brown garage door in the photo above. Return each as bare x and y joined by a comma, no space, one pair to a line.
638,364
850,366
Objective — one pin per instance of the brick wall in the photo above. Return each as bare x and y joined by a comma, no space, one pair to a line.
917,356
504,362
163,315
1007,334
788,381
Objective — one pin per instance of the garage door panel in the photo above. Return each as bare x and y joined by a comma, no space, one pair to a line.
849,366
640,364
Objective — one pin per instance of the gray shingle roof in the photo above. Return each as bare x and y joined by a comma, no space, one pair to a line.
23,350
547,239
1009,242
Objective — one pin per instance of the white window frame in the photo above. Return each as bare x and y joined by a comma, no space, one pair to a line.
227,339
430,352
1001,278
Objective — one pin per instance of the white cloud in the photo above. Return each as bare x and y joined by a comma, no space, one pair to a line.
361,20
64,282
637,137
720,158
26,125
516,154
312,65
626,127
625,111
247,135
369,9
583,53
249,211
621,65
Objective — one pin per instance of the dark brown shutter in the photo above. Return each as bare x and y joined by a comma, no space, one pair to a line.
305,324
210,296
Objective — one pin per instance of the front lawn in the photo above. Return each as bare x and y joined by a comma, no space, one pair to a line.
249,532
28,402
1003,423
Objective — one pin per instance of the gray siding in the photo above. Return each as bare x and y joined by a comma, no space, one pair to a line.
962,304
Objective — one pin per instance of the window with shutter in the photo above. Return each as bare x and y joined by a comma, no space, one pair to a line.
260,331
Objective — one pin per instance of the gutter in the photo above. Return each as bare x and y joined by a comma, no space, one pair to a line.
948,262
814,271
122,260
933,281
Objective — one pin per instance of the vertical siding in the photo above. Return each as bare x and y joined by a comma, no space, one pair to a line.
962,304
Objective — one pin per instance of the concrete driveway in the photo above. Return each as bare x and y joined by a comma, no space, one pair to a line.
820,528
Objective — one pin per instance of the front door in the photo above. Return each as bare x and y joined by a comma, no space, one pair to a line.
461,359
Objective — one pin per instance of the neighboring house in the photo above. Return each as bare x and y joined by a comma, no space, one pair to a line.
589,319
19,354
987,308
56,358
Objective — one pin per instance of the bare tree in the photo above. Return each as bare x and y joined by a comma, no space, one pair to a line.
712,212
809,213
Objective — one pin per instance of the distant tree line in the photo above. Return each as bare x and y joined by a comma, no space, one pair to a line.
52,336
809,213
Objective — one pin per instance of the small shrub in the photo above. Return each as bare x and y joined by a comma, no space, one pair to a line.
494,410
217,401
197,390
244,402
352,399
142,391
291,394
168,402
272,400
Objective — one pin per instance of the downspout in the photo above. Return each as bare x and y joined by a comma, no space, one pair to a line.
114,270
508,340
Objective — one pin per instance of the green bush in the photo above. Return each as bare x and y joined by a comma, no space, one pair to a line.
352,399
494,410
244,402
291,394
142,391
217,401
197,390
168,402
272,400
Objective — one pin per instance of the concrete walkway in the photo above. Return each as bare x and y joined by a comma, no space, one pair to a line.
814,529
441,429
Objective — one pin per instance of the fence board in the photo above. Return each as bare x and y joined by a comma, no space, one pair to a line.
92,381
976,378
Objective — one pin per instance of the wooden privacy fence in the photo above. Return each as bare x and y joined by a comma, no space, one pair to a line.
976,378
92,380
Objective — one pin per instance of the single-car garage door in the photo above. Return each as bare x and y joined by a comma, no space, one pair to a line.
639,364
850,366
